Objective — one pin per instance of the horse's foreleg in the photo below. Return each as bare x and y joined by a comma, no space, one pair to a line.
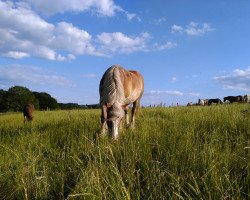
135,108
126,109
104,120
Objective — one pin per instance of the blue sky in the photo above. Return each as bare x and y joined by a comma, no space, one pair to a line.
185,49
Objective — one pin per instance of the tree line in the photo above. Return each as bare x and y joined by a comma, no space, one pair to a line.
16,97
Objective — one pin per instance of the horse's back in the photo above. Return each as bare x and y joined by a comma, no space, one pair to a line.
133,83
128,83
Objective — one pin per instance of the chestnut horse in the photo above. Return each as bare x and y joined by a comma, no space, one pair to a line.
118,88
28,112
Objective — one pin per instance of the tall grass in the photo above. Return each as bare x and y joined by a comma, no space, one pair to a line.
173,153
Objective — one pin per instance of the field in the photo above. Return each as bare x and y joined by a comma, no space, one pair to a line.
173,153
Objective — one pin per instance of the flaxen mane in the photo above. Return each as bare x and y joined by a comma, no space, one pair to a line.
111,88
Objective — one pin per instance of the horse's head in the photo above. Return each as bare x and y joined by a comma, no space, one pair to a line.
114,117
30,118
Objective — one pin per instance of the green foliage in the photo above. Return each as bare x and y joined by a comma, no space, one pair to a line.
46,101
18,97
173,153
3,95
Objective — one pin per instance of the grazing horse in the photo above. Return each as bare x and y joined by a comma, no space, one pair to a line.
118,88
215,101
28,112
203,102
232,99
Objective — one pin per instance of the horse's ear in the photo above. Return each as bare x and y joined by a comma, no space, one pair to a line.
108,105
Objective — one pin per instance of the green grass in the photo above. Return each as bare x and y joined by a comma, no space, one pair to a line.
173,153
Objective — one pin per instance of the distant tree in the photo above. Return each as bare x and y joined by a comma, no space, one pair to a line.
69,106
46,101
18,96
3,95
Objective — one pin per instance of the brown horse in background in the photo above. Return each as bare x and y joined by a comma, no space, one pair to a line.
118,89
28,112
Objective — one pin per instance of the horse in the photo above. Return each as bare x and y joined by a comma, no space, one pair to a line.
215,101
203,102
28,112
232,99
118,89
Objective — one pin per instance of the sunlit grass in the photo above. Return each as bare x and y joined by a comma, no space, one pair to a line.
173,153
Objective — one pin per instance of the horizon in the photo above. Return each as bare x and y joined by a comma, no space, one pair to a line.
185,50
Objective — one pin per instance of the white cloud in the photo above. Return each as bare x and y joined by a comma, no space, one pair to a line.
70,38
167,45
23,33
169,97
131,16
192,29
120,43
238,79
175,29
194,94
15,54
20,74
173,79
89,75
102,7
163,92
159,20
155,93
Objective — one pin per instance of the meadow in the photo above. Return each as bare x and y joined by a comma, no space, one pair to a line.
173,153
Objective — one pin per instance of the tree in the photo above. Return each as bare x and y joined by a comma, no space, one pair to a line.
18,96
46,101
3,95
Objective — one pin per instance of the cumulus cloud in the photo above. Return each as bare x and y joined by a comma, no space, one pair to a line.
192,29
238,79
23,33
175,29
15,54
120,43
20,74
70,38
102,7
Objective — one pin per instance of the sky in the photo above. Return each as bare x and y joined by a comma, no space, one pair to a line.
185,49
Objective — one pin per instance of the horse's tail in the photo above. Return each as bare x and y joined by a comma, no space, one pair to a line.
111,87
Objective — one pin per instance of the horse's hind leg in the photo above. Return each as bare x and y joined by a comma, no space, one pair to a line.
104,120
135,108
